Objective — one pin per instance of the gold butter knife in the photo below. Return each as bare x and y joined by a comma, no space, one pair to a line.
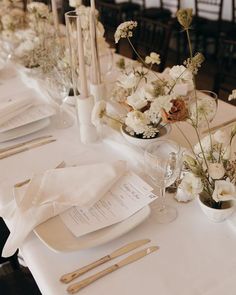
24,143
125,249
24,148
72,289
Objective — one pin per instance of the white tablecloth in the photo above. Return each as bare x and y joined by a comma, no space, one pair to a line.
196,256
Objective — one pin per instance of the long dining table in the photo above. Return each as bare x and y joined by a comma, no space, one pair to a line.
195,256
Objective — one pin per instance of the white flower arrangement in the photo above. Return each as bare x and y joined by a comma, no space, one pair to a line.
212,165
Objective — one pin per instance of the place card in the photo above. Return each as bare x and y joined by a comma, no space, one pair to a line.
129,195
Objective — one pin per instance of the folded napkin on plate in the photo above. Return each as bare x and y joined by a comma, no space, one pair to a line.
11,108
52,193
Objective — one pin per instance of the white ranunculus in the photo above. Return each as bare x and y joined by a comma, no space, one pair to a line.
137,100
128,81
191,185
161,102
137,121
216,170
181,73
221,137
224,191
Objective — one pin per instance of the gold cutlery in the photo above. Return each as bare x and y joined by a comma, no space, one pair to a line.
123,250
72,289
24,148
220,126
24,143
22,183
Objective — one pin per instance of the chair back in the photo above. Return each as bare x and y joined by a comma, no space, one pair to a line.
151,35
234,12
210,9
225,77
172,5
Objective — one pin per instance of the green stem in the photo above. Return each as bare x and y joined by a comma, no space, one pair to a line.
142,60
199,140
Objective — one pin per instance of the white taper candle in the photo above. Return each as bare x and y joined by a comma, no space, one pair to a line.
82,70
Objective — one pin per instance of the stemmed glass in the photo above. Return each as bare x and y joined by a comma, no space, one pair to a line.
204,110
58,85
162,165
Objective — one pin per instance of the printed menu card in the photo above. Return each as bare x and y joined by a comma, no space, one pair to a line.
129,194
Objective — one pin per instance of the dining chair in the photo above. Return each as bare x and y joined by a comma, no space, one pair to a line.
110,16
166,9
225,77
151,35
164,13
207,24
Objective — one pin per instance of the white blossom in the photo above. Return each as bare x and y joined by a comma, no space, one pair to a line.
224,191
216,170
124,30
75,3
191,185
232,95
181,73
153,58
137,100
137,121
129,81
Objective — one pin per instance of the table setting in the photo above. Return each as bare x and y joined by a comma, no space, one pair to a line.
86,178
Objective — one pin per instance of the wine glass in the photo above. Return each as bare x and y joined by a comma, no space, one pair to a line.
203,107
162,165
58,85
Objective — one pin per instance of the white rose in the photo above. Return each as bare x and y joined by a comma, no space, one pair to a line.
137,121
216,170
224,191
128,81
181,73
221,137
191,185
137,100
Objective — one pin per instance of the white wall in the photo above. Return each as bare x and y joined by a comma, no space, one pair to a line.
227,8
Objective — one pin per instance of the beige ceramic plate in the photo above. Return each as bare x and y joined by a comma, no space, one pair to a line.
55,235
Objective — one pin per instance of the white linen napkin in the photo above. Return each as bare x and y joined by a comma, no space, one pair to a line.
52,193
11,108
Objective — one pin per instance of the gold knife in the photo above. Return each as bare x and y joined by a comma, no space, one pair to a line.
125,249
24,143
24,148
72,289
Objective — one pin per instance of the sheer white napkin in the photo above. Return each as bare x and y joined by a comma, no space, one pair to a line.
11,108
53,192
